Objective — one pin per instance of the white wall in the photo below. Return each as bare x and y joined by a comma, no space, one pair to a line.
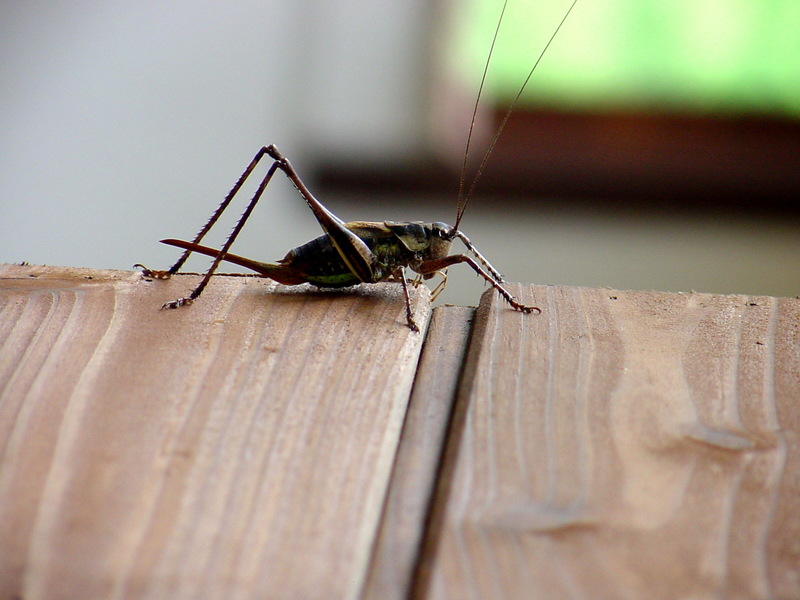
122,123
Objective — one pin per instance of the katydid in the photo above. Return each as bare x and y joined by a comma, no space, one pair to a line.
358,251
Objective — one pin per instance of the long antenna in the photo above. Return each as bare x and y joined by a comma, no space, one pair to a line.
464,200
460,210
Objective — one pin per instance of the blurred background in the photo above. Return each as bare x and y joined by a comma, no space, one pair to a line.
657,145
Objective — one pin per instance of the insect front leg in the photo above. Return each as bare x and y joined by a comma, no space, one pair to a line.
438,264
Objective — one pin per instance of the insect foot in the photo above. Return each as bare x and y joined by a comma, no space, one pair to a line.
412,325
522,307
177,303
530,309
154,274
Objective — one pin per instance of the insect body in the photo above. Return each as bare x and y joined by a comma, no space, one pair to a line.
348,253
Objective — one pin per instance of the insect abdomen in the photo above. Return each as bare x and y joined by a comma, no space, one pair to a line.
319,263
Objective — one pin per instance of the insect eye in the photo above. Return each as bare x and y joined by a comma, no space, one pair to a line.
442,230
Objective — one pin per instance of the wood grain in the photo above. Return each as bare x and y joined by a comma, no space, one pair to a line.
625,445
237,448
620,444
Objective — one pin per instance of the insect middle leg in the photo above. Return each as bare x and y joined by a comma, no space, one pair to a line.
401,275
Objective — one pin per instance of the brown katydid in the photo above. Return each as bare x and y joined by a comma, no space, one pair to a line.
358,251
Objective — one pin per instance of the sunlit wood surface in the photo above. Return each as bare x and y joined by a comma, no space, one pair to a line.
625,445
237,448
261,443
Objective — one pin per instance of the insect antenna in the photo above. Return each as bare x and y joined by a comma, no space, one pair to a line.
463,199
462,181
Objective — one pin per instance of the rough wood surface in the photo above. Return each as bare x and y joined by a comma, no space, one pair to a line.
624,445
237,448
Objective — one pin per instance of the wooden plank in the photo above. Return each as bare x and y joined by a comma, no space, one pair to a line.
237,448
394,563
624,445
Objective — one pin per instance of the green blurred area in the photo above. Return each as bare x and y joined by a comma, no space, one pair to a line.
727,57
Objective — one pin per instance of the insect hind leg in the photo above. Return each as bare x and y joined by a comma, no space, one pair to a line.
166,274
232,237
352,249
